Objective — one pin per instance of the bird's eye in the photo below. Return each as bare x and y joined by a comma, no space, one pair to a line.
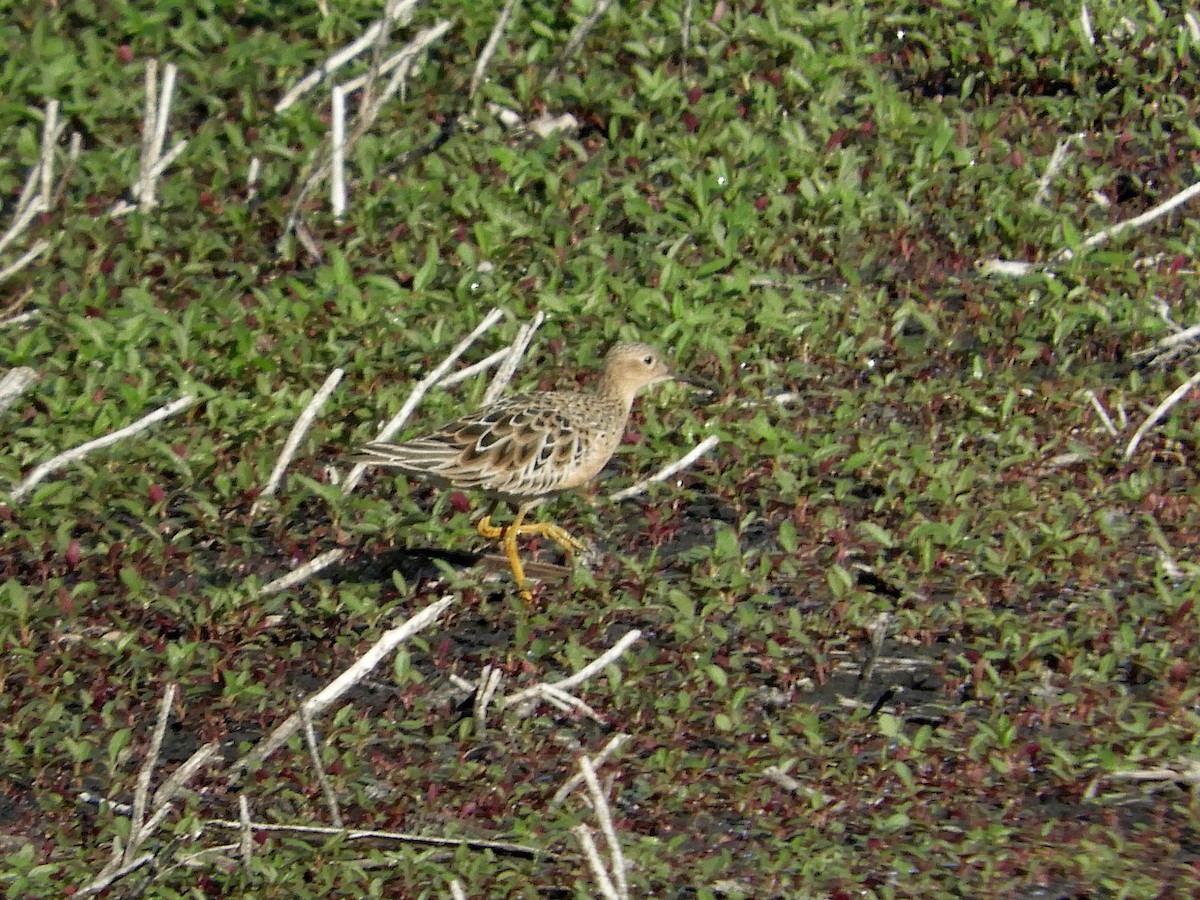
648,360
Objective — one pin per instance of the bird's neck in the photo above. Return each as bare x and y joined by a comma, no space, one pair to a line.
612,390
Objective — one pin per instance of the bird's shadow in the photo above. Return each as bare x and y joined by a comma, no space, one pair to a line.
424,565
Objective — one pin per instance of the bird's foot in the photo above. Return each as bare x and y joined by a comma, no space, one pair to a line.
508,534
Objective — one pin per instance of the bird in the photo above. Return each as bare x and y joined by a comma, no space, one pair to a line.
528,448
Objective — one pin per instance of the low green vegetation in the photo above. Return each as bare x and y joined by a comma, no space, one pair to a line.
917,626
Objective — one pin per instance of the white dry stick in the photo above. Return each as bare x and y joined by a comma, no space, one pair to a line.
15,383
164,111
164,161
545,125
252,179
320,701
607,658
1193,26
152,161
1137,221
456,891
604,814
314,751
362,44
482,366
337,159
149,124
489,49
318,166
1009,268
603,881
421,389
112,874
781,778
38,248
1057,159
180,777
37,193
70,456
1159,411
489,682
509,118
141,792
1085,22
575,780
49,137
579,35
20,222
359,834
568,703
246,844
19,318
404,63
667,471
1186,771
299,430
1171,341
1102,413
300,573
515,352
402,57
686,36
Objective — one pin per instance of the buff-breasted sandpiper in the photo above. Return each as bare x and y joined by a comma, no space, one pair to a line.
528,448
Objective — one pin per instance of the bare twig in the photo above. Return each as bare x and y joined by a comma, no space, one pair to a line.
422,387
568,703
489,683
152,162
1057,159
69,456
515,352
174,783
110,875
604,815
314,750
38,248
392,13
489,49
320,164
603,880
685,40
300,573
456,891
1193,26
36,195
358,834
667,471
320,701
246,844
579,35
1159,411
15,383
474,369
1137,221
337,183
299,430
142,791
605,659
1186,771
1102,413
600,758
877,630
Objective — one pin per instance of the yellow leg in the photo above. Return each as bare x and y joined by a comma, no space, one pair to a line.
508,535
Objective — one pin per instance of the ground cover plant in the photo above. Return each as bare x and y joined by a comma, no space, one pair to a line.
919,621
